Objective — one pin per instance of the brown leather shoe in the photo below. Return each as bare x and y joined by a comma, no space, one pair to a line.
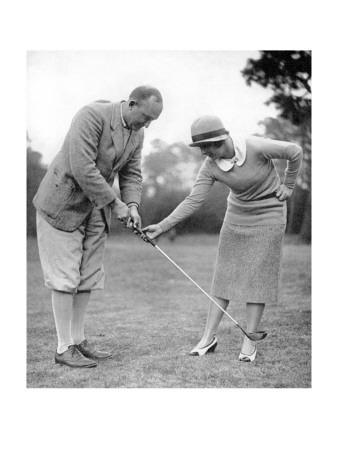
87,350
73,358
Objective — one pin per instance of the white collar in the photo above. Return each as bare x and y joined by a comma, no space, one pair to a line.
238,159
123,121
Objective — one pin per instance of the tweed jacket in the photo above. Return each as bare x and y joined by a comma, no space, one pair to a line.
82,173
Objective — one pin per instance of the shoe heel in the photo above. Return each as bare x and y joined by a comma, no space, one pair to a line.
205,350
212,349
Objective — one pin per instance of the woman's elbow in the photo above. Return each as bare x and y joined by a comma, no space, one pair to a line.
297,150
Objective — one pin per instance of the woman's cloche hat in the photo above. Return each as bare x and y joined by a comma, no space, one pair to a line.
207,129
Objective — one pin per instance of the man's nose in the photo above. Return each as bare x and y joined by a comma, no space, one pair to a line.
146,125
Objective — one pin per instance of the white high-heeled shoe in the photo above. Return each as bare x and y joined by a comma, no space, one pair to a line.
248,358
203,351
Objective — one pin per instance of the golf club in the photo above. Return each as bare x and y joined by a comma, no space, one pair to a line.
256,336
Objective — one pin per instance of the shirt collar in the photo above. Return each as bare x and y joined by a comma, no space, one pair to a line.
122,119
238,159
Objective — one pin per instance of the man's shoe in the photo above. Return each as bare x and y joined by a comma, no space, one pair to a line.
87,350
73,358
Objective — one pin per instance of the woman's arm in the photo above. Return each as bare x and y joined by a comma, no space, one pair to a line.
293,153
190,204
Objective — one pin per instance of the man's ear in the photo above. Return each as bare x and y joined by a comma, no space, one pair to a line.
132,103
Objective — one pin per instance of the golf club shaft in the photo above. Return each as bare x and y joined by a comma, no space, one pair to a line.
150,241
200,288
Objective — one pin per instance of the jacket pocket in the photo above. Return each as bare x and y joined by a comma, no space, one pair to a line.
56,193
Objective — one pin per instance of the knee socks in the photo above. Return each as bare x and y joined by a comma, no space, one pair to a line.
62,303
80,303
69,315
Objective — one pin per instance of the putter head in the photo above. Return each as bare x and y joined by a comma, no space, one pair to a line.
257,335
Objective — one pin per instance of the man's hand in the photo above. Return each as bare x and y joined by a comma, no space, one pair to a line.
121,210
134,219
283,193
153,231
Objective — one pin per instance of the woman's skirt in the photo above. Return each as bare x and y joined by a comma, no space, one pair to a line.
248,263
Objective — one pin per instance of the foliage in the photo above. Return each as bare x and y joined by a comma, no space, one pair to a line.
170,167
35,172
285,130
299,210
288,74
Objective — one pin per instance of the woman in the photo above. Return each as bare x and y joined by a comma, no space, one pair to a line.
247,268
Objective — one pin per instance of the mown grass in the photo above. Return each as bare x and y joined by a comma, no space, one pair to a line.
150,316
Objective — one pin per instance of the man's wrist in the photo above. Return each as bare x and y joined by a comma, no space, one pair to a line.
133,206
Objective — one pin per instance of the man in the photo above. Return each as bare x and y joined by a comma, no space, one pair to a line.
74,204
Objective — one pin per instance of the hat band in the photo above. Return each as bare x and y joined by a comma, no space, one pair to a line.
210,134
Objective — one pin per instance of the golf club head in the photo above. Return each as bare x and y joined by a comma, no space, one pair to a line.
258,335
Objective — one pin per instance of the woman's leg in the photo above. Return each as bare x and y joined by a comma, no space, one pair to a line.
214,318
254,312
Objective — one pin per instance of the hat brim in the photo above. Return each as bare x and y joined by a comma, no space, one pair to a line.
223,137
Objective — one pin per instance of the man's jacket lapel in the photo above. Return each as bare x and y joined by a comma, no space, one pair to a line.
117,136
117,131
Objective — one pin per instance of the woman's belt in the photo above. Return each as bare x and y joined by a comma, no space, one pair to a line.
273,194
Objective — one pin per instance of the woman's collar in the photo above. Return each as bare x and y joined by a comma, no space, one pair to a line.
238,159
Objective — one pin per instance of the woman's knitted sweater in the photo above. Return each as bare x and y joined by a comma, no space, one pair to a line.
252,184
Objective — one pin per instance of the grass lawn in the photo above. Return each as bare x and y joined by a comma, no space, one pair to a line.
150,316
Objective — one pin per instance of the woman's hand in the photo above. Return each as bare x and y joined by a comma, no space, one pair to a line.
153,231
283,193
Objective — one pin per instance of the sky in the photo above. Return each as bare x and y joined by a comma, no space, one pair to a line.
192,83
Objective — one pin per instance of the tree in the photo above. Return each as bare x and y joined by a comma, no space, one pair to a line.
284,130
288,74
173,167
35,172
